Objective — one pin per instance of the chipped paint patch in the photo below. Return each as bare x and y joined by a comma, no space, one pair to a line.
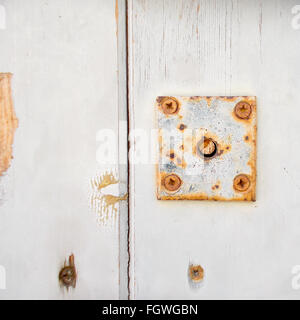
8,122
103,204
104,180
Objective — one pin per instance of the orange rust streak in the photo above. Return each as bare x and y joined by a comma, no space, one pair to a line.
204,196
216,186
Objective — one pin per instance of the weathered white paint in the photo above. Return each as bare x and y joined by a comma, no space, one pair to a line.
64,57
248,250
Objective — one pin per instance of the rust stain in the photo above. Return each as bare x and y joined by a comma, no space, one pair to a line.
160,141
209,100
228,98
176,158
252,164
217,186
171,155
159,99
196,273
248,138
182,163
181,127
194,98
8,122
204,196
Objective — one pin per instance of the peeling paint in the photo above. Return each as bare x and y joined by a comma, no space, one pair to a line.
104,205
8,122
102,181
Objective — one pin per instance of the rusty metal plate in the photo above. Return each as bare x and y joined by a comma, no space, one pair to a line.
207,148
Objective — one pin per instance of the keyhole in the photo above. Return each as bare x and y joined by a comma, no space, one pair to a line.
207,147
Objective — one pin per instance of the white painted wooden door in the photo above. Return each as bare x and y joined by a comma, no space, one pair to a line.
66,59
247,250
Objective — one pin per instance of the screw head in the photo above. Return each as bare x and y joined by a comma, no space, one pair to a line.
241,183
207,147
169,105
196,273
172,182
67,276
243,110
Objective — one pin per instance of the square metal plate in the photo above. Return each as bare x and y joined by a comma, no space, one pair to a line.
207,148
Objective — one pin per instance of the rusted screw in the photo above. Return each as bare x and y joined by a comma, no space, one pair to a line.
196,273
67,275
241,183
207,147
172,182
170,105
243,110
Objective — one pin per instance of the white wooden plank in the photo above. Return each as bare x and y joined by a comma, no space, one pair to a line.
64,57
233,47
121,17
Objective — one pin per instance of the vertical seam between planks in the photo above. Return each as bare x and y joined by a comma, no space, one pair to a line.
128,148
130,123
128,153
